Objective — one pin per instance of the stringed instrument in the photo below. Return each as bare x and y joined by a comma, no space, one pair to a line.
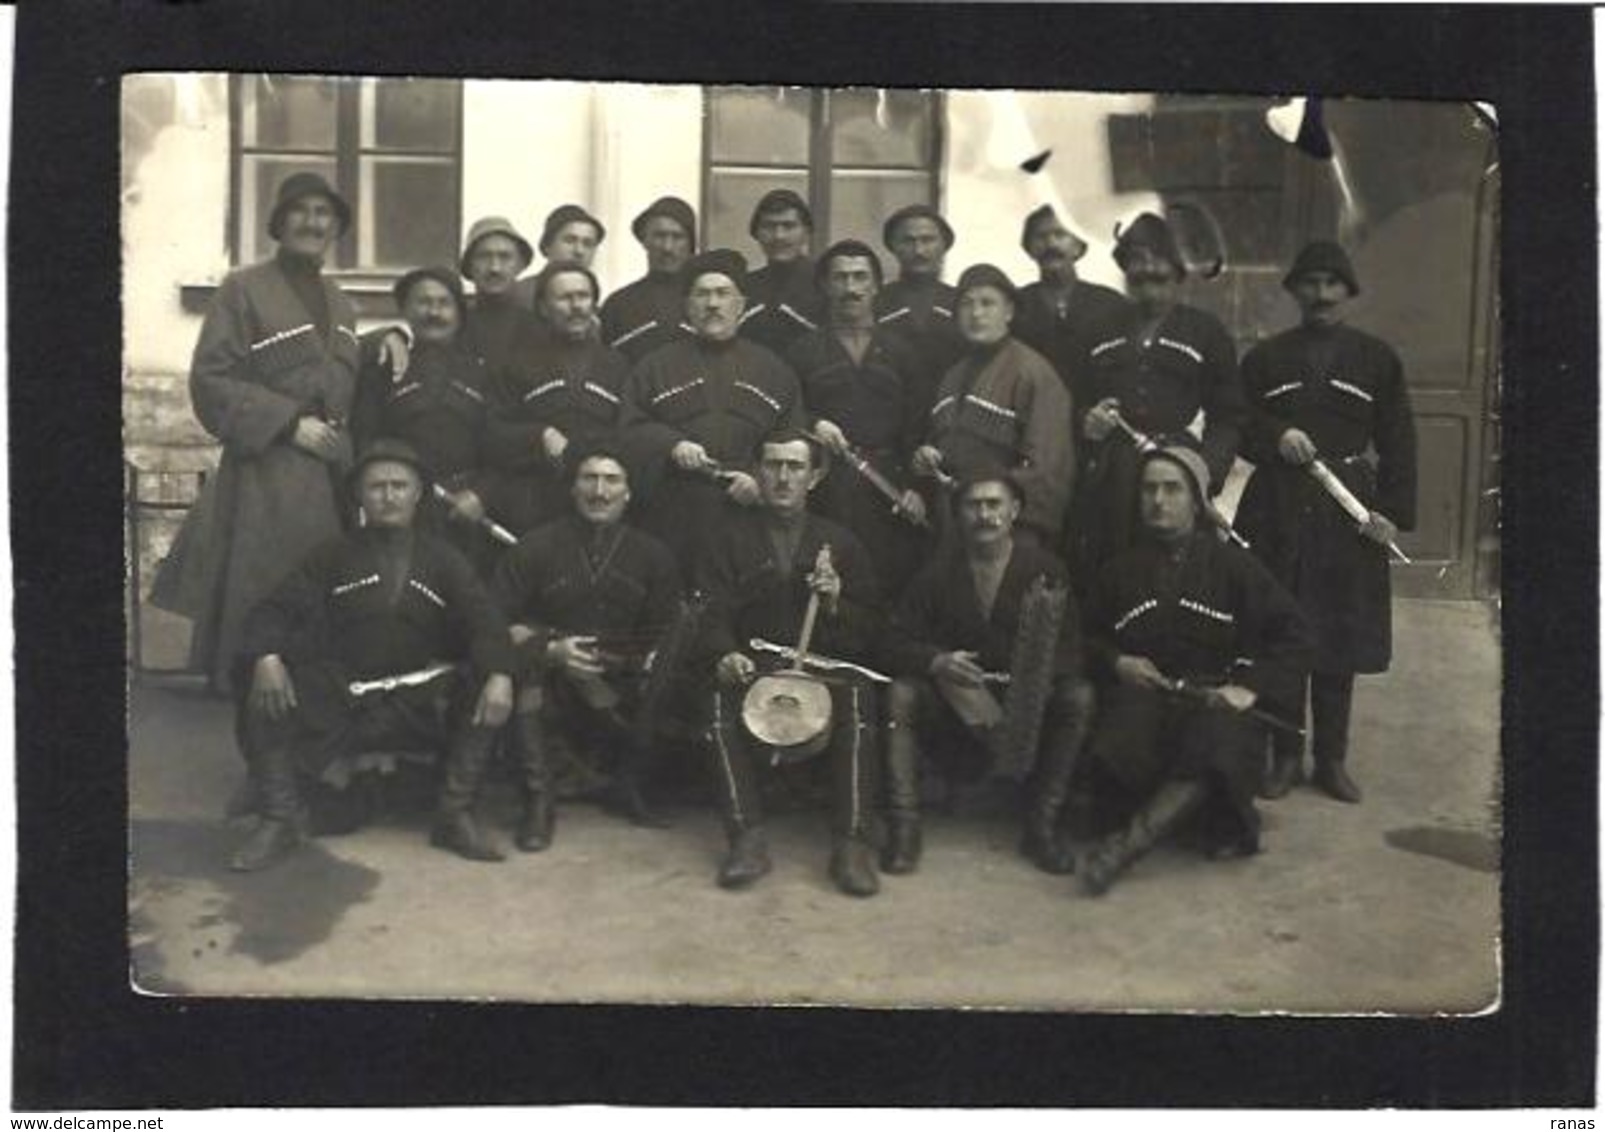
789,710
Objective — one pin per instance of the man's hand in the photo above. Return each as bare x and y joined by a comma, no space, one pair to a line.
577,654
317,437
1379,529
743,489
959,668
824,580
735,669
521,634
495,701
466,507
1139,672
272,691
394,353
1296,447
1234,697
913,505
1102,419
831,435
927,460
554,444
689,456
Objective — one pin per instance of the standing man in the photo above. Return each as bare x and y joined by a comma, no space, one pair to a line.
956,625
697,408
859,384
1327,390
650,312
918,305
1157,369
561,390
1061,316
759,573
272,379
782,300
1189,637
570,236
588,597
382,638
1002,404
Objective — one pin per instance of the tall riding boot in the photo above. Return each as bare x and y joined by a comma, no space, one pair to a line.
1043,841
1331,696
278,802
747,858
1118,852
1287,757
455,827
901,854
852,863
626,794
536,824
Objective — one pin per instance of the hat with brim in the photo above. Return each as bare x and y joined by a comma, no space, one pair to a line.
387,449
1148,233
674,209
564,215
298,186
1190,461
1041,216
495,226
917,212
445,276
984,275
1323,255
718,261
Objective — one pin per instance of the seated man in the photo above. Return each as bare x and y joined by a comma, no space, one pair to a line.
762,577
1193,641
953,634
588,597
370,644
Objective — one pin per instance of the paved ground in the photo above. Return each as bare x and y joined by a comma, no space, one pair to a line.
1389,906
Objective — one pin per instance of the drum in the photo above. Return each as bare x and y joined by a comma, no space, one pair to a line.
789,712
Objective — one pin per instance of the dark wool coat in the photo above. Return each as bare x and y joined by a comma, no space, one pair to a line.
260,365
644,316
440,407
783,305
499,330
1347,390
923,313
1067,340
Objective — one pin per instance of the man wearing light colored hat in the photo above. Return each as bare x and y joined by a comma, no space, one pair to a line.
649,313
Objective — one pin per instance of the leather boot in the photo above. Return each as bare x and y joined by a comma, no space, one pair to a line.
1044,842
852,867
1118,852
901,853
537,823
747,859
1333,779
1287,770
626,795
281,828
455,829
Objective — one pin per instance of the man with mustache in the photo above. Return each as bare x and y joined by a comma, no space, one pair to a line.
1187,636
352,653
696,409
1327,390
955,625
859,384
759,573
1159,367
782,301
561,390
272,379
917,304
588,597
649,313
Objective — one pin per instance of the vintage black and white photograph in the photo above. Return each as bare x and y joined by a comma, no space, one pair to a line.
609,542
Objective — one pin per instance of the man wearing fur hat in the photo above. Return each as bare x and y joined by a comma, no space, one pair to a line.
380,639
649,313
917,304
1326,390
272,379
1002,404
1189,636
696,409
1156,369
782,302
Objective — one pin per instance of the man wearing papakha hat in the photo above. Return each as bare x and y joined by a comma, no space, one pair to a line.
957,622
1188,637
1157,368
1061,316
272,379
440,407
1327,390
917,304
1002,403
860,384
562,389
649,313
783,303
696,409
382,640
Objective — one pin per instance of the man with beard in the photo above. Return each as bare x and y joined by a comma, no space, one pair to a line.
696,409
759,574
918,305
955,627
1190,636
1326,390
782,301
858,383
381,639
1062,316
649,313
272,379
1157,369
1002,404
588,597
562,390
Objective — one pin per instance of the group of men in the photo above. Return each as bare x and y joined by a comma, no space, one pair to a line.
874,527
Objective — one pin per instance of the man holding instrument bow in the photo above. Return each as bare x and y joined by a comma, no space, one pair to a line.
1326,392
780,575
589,598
